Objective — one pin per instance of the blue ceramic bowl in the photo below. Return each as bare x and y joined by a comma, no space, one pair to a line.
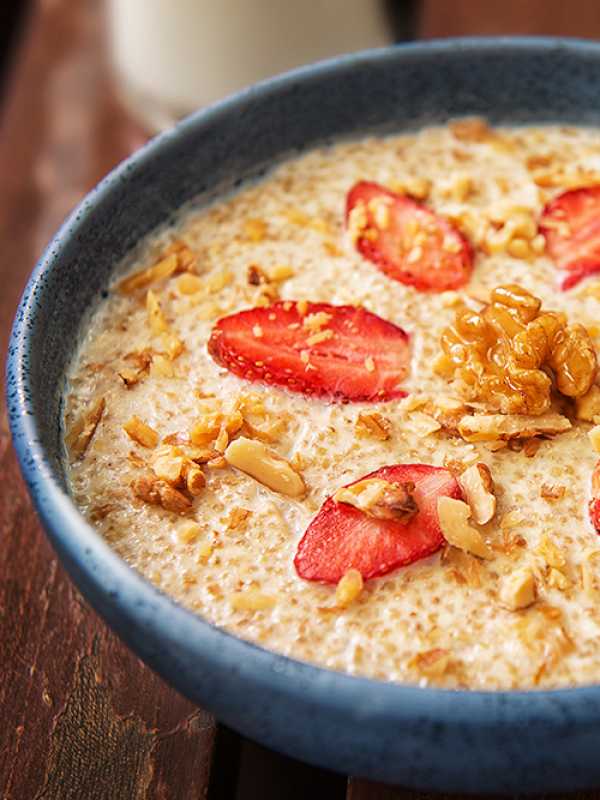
419,738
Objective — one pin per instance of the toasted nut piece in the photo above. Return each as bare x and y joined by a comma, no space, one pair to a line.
173,345
131,376
194,480
374,425
589,574
260,462
348,588
380,499
188,532
281,272
238,518
255,229
424,425
453,516
471,129
139,280
162,367
81,433
204,551
588,406
518,589
478,487
552,491
141,433
168,465
189,283
252,600
490,427
594,435
160,493
551,554
432,663
206,429
158,323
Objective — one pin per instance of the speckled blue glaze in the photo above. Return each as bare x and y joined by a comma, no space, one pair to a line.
419,738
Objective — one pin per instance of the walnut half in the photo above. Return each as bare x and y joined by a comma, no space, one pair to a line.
380,499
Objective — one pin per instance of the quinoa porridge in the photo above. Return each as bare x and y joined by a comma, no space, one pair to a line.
413,302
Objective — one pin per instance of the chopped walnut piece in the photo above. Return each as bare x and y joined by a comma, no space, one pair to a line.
478,488
552,491
238,518
349,587
423,425
380,499
374,425
501,355
82,431
252,600
588,406
141,433
489,427
453,516
518,590
264,465
159,493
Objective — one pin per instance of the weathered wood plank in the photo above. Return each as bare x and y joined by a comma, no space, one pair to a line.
81,716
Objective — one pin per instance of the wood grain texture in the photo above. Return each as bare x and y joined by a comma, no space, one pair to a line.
365,790
81,716
439,18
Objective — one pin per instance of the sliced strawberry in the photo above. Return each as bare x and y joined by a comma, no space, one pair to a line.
359,356
342,537
595,501
571,226
406,240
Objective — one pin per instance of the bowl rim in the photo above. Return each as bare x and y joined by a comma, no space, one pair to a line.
131,595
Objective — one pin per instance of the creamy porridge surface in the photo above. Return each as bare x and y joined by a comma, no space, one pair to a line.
440,620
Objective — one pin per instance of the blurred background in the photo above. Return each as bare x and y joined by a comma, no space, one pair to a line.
83,83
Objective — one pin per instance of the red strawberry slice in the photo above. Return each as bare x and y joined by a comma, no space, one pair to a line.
341,537
354,354
406,240
571,226
595,501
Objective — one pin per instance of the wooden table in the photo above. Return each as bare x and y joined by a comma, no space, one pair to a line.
81,716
